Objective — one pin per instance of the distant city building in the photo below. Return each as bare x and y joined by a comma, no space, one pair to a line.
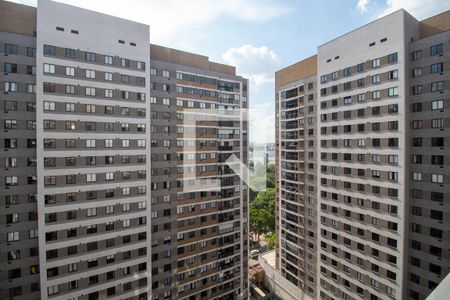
369,114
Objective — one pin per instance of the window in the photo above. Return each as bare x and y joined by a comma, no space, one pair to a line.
52,290
347,72
361,67
31,52
417,159
360,82
141,144
417,72
90,108
10,124
437,178
49,50
89,56
375,284
140,65
437,86
125,62
361,97
109,143
437,105
437,159
417,142
70,107
437,142
108,60
436,50
49,124
393,108
417,89
416,55
393,91
31,70
70,89
375,112
109,176
376,63
48,68
417,107
10,162
376,78
376,158
9,105
166,73
417,124
437,123
12,86
417,176
124,78
108,93
70,71
393,74
12,236
69,53
437,68
10,68
376,94
108,76
49,106
393,176
90,74
392,58
90,91
390,291
91,212
70,125
90,143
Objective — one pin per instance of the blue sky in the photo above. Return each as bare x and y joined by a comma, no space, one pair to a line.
258,36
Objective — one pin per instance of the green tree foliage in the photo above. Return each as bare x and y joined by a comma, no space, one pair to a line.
270,176
262,203
270,239
265,200
259,221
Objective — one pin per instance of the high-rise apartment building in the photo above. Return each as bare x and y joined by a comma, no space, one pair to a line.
106,143
382,184
296,166
198,120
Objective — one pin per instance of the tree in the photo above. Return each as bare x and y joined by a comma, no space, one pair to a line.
271,239
262,203
265,199
259,221
270,176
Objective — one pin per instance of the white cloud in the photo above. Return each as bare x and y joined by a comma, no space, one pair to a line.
175,22
362,5
256,63
420,9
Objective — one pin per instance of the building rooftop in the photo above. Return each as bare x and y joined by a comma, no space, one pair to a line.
299,70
